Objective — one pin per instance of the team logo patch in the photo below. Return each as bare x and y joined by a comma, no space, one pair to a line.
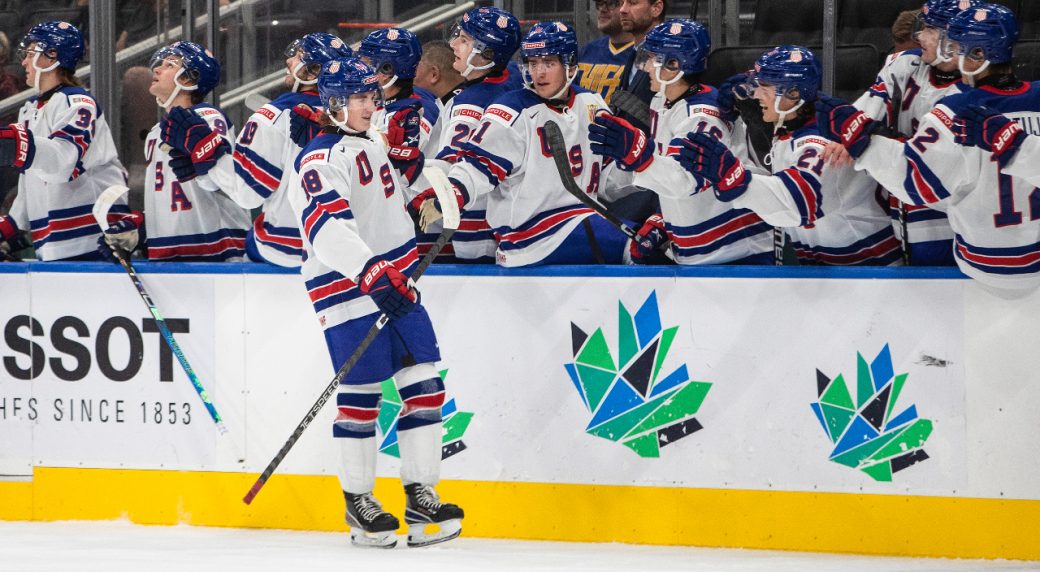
964,5
209,53
336,43
981,15
392,34
675,29
502,22
561,26
334,67
64,25
796,56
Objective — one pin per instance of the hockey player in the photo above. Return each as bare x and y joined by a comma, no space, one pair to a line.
602,62
484,41
360,249
507,160
994,214
906,89
701,230
256,172
186,217
830,213
1005,139
63,150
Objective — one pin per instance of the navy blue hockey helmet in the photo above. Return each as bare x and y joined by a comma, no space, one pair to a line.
318,48
794,71
59,40
938,13
986,32
197,64
342,78
550,39
495,33
392,52
678,45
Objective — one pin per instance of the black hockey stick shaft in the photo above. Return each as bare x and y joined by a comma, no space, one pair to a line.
630,104
558,148
370,337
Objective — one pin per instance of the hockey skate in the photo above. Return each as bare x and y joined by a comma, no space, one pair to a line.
370,525
423,508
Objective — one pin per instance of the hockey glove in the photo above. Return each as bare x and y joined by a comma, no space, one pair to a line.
734,89
392,291
611,136
182,166
120,238
402,140
840,121
708,158
11,239
988,129
425,208
17,148
191,135
303,124
646,247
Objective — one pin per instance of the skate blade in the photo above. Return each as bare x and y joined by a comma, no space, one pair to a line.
386,539
418,537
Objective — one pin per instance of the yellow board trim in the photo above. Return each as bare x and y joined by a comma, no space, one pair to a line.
778,520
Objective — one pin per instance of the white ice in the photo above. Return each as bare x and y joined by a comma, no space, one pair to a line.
115,546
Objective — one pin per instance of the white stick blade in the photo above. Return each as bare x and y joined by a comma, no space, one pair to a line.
445,195
104,203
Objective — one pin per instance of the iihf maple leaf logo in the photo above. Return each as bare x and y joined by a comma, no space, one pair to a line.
632,402
865,433
454,425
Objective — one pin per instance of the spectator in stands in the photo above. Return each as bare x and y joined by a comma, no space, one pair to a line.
602,62
435,72
903,31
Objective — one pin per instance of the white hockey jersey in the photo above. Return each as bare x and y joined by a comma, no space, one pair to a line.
460,119
832,215
75,160
1026,162
702,230
194,220
258,171
349,201
508,160
905,90
995,216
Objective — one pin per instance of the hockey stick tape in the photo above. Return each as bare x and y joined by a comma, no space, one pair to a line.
445,195
104,203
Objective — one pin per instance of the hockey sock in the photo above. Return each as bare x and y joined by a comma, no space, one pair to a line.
355,434
419,427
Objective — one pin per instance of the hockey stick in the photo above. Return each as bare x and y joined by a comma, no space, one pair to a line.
893,122
446,197
101,207
557,146
626,102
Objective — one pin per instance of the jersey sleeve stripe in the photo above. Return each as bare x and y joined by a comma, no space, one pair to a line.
261,176
921,183
805,190
218,245
1006,260
495,168
278,236
879,249
538,227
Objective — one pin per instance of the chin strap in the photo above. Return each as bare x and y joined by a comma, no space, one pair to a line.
783,114
968,76
179,87
297,80
39,70
662,83
470,68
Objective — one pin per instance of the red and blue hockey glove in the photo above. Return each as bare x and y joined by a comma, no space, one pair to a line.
986,128
840,121
121,237
191,135
304,124
11,239
17,148
645,248
402,139
392,291
426,209
708,158
182,166
611,136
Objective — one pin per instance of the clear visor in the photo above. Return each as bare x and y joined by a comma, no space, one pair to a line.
293,48
647,61
754,82
951,49
385,68
454,32
356,102
546,63
31,49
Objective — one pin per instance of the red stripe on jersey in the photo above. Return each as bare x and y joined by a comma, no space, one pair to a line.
332,288
263,236
807,195
473,225
545,224
884,247
716,233
55,225
1005,261
925,190
227,243
263,177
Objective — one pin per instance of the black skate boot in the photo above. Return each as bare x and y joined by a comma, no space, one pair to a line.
369,524
423,507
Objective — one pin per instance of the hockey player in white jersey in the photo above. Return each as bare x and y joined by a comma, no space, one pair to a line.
360,249
256,172
906,89
63,150
995,215
186,218
484,41
536,221
698,228
831,213
1007,141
